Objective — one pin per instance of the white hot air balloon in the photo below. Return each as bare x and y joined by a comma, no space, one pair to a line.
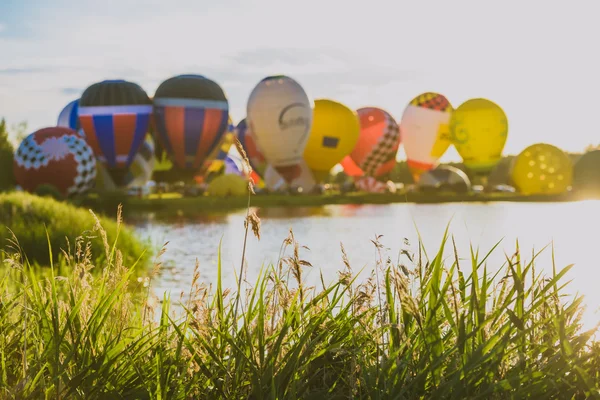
305,180
424,131
280,114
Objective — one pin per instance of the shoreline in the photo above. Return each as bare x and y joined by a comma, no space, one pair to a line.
173,205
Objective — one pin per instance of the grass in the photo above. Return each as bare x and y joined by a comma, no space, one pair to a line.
417,328
29,218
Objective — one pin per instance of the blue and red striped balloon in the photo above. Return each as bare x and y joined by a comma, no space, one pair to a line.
191,115
115,116
69,117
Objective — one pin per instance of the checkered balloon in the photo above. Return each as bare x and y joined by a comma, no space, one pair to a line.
370,185
379,141
56,156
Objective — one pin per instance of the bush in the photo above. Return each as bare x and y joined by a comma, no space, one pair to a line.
47,190
7,179
29,216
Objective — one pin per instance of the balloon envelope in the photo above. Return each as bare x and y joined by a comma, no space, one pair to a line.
371,185
216,158
586,174
305,179
542,169
191,116
280,114
248,142
377,145
445,178
479,129
69,116
56,156
115,116
334,134
424,131
138,174
228,185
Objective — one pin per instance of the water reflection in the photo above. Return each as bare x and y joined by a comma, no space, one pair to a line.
572,227
294,212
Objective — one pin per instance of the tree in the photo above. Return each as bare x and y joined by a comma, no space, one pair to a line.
19,131
7,179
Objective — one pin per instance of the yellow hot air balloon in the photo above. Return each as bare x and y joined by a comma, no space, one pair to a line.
479,129
333,135
542,169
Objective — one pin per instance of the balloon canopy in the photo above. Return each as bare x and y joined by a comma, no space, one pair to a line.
304,180
191,116
55,156
479,129
371,185
115,116
69,116
542,169
424,131
586,174
228,185
139,173
445,178
280,113
248,141
215,159
334,134
377,145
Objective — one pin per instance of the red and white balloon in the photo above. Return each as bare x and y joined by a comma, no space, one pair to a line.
55,156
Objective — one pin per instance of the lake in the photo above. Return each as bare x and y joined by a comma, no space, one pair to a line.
571,226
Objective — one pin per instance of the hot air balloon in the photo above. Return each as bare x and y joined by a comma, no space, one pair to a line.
248,142
214,161
191,116
304,179
142,167
333,135
69,116
444,178
228,185
542,169
424,131
115,116
375,152
478,130
280,114
138,174
56,156
370,185
586,174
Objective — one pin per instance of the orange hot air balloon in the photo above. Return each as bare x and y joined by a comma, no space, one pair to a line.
379,140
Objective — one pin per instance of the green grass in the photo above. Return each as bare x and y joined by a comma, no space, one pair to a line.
421,327
29,218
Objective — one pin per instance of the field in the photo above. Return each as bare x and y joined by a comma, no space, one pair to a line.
420,327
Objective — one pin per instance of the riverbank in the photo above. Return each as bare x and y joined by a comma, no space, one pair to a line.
171,204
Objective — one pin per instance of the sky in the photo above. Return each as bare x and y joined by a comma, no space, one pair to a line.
539,60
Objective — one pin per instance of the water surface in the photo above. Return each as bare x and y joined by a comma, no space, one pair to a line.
571,227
